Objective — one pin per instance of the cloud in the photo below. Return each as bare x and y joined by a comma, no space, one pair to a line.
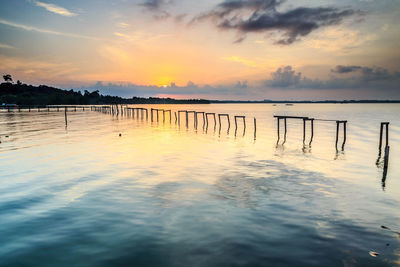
6,46
35,29
284,77
123,25
154,4
366,77
345,69
127,89
367,73
262,16
55,9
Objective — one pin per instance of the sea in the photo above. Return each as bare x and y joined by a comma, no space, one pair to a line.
123,190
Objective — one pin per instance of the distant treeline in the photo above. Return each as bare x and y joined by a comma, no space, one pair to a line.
24,94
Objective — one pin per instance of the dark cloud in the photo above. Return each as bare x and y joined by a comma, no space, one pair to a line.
152,4
345,69
365,77
262,16
366,73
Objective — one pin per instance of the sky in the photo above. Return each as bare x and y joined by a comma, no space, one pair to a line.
227,50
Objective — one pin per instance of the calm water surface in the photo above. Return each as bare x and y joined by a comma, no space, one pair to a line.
166,195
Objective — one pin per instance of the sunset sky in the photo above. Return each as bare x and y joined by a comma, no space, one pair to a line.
241,49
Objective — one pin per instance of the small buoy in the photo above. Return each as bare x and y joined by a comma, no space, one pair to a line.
6,136
120,134
374,254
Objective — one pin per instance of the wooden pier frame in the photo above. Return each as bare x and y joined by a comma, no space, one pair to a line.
164,111
219,120
244,123
215,120
196,118
344,123
284,118
179,116
311,120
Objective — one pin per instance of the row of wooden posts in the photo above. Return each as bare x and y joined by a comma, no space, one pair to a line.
142,113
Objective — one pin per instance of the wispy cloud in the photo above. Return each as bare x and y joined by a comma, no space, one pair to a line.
123,25
35,29
6,46
244,61
55,9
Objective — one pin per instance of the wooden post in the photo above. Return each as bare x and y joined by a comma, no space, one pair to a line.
312,132
66,120
279,136
255,128
337,133
344,133
285,124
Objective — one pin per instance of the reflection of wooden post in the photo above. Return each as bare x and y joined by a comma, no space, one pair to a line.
175,117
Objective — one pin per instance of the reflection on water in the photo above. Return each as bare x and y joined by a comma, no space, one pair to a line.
118,190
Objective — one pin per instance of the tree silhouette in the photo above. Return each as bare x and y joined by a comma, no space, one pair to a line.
7,78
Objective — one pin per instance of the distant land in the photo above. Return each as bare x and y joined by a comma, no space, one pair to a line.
24,94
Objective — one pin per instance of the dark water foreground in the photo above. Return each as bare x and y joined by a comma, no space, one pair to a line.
161,195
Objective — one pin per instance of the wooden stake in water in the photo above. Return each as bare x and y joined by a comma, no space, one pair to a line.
255,128
66,120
